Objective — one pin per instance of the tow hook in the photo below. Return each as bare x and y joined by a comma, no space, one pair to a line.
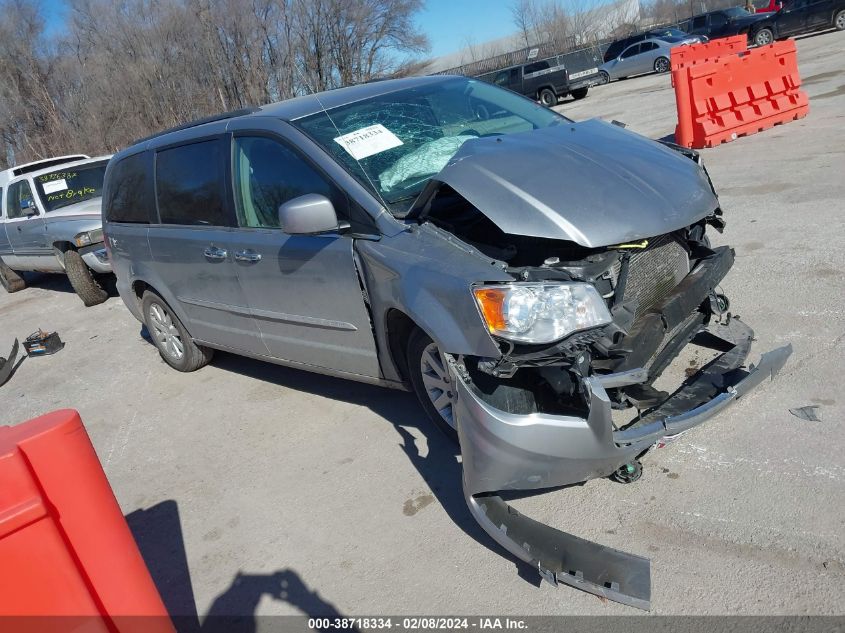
628,473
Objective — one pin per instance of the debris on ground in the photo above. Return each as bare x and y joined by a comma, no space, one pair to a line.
807,413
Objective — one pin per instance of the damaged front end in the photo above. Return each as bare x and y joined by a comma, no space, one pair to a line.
545,415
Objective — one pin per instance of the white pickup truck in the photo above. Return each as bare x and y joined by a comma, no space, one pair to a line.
50,221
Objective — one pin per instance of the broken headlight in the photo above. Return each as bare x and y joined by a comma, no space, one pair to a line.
88,237
540,312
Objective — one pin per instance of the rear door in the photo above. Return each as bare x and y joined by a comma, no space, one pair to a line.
819,14
191,246
644,62
303,290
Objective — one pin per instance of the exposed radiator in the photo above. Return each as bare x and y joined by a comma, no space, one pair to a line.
655,271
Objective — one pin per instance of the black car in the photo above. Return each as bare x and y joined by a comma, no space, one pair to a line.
798,17
547,80
669,34
724,23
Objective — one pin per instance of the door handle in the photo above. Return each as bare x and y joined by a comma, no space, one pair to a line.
247,256
212,252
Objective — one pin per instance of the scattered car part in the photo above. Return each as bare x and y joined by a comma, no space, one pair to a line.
7,365
628,473
807,413
41,343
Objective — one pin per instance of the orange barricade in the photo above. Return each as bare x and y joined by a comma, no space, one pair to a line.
736,95
714,49
68,559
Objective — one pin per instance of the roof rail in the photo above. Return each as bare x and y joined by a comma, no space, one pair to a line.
209,119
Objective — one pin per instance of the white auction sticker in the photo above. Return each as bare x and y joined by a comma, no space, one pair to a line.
54,185
368,141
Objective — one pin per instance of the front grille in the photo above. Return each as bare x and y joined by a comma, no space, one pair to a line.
654,272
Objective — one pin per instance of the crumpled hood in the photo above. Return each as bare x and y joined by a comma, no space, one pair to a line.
593,183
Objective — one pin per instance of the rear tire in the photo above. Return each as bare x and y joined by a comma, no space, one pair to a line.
429,378
82,280
839,21
579,93
763,37
174,344
547,97
10,280
661,65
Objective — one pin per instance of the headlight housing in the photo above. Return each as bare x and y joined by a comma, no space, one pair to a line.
88,237
540,312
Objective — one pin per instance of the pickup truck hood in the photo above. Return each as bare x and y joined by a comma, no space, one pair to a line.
593,183
86,207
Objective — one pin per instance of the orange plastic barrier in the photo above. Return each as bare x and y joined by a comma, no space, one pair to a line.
714,49
736,95
67,558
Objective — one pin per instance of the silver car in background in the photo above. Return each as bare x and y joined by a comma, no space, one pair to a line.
51,221
651,55
527,276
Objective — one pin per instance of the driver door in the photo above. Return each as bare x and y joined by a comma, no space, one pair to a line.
793,18
25,226
303,290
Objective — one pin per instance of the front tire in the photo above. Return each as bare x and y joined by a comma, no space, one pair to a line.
82,280
174,344
763,37
661,65
432,382
579,93
839,21
10,280
604,78
547,97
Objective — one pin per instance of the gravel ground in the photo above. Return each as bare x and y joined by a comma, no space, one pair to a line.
254,488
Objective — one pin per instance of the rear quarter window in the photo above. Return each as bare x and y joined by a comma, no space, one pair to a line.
189,184
128,191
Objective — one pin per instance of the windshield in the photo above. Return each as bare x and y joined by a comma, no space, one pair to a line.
394,143
68,186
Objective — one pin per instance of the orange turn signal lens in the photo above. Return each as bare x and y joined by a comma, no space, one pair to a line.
491,303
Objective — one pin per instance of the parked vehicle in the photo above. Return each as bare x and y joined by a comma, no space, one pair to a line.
545,80
524,274
724,23
768,6
798,17
648,56
669,34
51,221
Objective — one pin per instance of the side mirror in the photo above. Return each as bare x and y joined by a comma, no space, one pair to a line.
28,208
310,214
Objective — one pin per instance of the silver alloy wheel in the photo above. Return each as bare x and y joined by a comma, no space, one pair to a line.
840,21
604,78
763,38
438,384
165,332
661,65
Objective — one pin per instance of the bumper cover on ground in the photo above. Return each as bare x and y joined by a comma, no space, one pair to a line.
504,451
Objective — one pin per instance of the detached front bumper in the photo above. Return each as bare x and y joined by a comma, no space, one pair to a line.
504,451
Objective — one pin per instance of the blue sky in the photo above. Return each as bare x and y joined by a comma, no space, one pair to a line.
448,23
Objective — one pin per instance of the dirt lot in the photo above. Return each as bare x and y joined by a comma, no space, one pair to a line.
246,478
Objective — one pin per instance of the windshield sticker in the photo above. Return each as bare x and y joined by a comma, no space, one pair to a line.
368,141
54,185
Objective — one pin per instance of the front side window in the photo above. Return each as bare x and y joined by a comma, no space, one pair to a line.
20,202
70,185
189,184
267,174
630,52
394,143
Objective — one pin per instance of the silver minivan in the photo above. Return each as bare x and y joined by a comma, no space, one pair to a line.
529,277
